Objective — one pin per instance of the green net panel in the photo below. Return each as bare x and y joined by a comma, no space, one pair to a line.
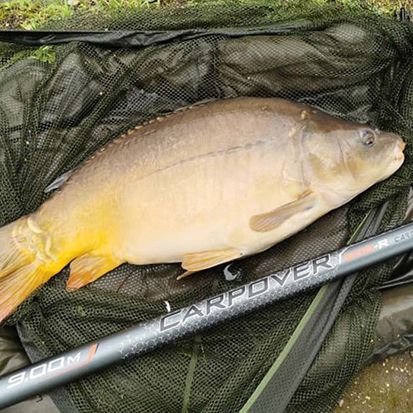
60,103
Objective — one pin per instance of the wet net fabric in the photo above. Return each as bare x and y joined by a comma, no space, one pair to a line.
55,115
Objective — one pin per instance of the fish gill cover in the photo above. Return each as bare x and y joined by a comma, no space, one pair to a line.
56,111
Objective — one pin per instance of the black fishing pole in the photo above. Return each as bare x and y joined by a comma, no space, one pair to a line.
144,337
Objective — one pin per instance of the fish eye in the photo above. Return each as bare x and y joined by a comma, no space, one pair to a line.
368,137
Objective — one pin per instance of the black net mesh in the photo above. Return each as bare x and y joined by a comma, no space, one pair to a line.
60,103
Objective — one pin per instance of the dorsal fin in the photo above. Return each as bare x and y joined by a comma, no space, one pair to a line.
58,182
160,118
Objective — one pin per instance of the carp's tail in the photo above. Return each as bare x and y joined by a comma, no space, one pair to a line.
24,263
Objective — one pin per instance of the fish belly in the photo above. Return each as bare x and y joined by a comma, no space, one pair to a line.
206,204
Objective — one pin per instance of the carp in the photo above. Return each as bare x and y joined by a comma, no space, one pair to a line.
202,186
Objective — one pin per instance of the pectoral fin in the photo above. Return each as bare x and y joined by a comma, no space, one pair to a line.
198,261
88,268
271,220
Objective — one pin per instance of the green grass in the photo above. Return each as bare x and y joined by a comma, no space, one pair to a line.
33,14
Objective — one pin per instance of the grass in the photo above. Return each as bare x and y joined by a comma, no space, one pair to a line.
33,14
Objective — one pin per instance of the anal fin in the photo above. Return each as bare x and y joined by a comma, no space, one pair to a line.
88,268
199,261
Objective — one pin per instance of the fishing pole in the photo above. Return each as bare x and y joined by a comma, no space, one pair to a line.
166,329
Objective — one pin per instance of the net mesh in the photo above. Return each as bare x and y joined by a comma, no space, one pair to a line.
61,103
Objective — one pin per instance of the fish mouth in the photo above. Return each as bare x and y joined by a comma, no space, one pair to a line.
402,144
399,155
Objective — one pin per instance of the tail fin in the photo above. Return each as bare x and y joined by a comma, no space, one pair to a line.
21,270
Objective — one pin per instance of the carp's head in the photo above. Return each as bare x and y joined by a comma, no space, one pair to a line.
345,158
